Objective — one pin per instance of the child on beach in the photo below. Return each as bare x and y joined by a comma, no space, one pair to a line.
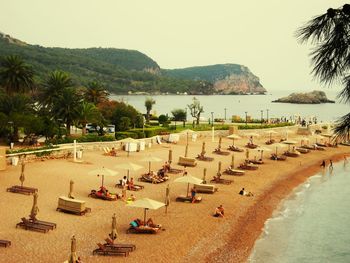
219,211
330,165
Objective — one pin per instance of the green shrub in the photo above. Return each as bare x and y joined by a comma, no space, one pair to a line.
126,134
85,138
31,149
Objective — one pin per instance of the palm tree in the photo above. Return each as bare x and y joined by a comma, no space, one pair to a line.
15,75
66,107
95,93
149,104
87,113
331,54
54,86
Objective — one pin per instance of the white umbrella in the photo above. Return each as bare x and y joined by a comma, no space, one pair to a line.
150,159
289,142
262,150
187,131
129,166
102,172
188,179
146,204
270,133
279,145
233,137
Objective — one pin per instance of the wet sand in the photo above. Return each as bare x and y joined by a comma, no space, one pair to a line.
191,233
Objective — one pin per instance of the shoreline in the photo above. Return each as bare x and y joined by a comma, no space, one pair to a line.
247,230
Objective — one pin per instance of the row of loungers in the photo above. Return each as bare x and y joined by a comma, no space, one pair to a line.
5,243
113,249
36,225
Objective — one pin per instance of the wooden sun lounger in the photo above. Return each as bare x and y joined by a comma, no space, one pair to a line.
245,166
204,158
22,190
321,144
27,225
44,223
251,146
205,188
5,243
138,187
217,151
95,194
269,142
278,158
302,150
253,161
185,161
143,230
345,143
219,180
235,149
183,198
109,242
231,171
291,154
145,178
175,171
110,251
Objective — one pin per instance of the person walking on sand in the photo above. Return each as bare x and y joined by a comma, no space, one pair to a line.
330,165
323,164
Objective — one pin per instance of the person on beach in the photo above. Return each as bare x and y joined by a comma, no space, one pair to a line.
185,172
323,164
345,160
79,260
243,192
219,211
193,194
330,165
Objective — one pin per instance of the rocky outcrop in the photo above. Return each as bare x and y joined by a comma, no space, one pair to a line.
314,97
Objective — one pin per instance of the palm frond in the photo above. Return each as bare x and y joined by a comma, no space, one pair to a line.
344,95
342,127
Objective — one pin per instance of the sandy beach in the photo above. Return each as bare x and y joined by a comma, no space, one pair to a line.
191,233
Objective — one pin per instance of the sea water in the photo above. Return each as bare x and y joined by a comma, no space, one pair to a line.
256,106
312,225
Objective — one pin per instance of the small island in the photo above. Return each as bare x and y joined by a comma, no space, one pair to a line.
314,97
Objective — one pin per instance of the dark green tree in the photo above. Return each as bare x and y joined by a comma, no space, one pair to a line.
329,33
95,93
179,115
87,113
15,75
123,110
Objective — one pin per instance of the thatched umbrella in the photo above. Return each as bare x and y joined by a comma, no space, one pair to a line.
150,159
170,157
203,149
102,172
35,208
233,161
262,150
71,187
73,258
233,137
270,133
188,179
167,198
279,145
146,204
289,142
204,175
129,166
114,234
22,178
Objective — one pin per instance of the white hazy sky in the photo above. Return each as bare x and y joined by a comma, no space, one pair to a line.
179,33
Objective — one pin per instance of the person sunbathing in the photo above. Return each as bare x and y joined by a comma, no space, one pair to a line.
219,211
245,193
132,186
113,152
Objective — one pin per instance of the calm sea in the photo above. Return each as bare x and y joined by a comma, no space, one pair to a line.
239,104
312,225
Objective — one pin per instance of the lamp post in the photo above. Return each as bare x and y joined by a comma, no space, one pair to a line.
11,134
267,115
262,112
212,119
225,113
246,118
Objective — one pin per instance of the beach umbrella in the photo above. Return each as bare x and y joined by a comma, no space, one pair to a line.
102,172
167,198
262,150
286,131
204,175
150,159
203,149
289,142
233,161
233,137
188,179
73,258
247,154
270,133
302,140
252,134
170,156
71,187
187,131
279,145
129,166
318,137
35,208
146,204
22,178
186,150
114,234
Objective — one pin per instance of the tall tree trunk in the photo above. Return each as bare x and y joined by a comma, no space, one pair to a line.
147,117
68,127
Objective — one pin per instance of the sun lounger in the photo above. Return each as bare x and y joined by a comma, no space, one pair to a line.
110,251
251,145
231,171
5,243
235,148
204,158
28,225
185,161
98,195
245,166
345,143
278,158
292,154
205,188
148,179
219,180
269,142
302,150
143,230
309,147
137,187
218,151
109,242
253,161
183,198
175,171
321,144
50,225
22,190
